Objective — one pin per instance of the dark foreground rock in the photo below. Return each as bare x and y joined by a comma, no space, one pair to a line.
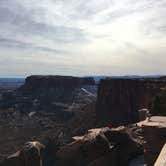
29,155
154,132
99,147
102,146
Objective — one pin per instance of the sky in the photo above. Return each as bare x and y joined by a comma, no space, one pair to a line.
80,37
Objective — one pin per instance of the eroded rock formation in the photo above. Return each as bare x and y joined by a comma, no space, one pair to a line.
29,155
120,99
49,93
154,132
42,83
102,146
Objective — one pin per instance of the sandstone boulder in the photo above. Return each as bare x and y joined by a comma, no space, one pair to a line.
101,146
29,155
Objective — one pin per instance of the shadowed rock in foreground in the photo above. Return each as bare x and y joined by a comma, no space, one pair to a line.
29,155
101,146
154,132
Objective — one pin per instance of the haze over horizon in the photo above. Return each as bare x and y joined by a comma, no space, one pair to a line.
62,37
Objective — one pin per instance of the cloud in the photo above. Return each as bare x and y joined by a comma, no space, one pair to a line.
82,37
15,44
24,21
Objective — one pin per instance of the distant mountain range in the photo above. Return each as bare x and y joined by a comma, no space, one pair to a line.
126,76
99,77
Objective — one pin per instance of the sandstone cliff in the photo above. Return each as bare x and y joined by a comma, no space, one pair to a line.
119,100
59,88
47,93
37,82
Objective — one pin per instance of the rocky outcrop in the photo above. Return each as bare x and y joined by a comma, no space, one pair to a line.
49,93
154,132
46,90
43,83
36,84
50,88
161,159
102,146
29,155
120,99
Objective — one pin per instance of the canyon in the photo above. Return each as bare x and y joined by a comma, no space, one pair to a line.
79,122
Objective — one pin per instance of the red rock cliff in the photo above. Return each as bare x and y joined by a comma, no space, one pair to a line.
34,83
120,99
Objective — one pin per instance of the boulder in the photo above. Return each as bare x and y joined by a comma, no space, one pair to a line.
102,146
29,155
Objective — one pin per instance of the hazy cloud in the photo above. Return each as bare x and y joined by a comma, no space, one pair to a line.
9,44
82,37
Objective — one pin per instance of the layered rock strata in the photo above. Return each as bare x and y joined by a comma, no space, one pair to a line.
119,100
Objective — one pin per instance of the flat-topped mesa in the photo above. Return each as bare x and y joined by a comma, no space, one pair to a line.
35,83
154,134
60,87
120,99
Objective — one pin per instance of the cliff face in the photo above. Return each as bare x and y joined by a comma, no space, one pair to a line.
36,83
154,133
60,88
59,91
120,99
